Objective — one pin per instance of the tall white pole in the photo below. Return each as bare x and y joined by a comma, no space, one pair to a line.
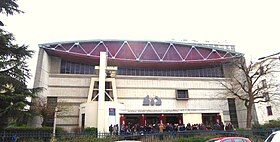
54,123
101,97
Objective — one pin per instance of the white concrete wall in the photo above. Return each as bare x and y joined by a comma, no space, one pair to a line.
205,94
192,118
55,65
71,90
41,80
91,114
90,111
263,117
42,72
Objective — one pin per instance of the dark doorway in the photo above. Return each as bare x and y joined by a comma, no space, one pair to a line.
83,121
152,120
172,119
132,120
209,119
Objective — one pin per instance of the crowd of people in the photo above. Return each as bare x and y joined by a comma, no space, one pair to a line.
136,129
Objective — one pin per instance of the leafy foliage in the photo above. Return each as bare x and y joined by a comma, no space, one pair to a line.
27,129
90,130
45,110
86,139
14,73
270,124
9,7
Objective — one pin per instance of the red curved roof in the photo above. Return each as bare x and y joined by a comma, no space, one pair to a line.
140,53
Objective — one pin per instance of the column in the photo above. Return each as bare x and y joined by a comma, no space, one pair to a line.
101,97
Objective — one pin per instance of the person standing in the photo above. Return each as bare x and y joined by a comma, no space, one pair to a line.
111,129
14,138
161,129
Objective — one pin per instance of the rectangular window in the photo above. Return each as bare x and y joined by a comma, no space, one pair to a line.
67,67
269,110
232,112
82,69
72,68
87,69
266,96
203,72
186,73
51,104
264,84
135,72
92,70
182,94
63,66
261,70
77,68
83,121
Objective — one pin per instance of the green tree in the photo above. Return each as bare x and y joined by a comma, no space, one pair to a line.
14,73
253,83
9,7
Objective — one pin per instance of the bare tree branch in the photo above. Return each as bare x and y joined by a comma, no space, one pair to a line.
246,83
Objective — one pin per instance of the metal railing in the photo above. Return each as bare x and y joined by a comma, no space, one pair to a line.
258,135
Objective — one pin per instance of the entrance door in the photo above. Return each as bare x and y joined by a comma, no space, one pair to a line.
152,120
132,120
172,119
209,119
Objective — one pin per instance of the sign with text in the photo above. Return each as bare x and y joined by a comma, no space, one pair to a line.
112,111
151,101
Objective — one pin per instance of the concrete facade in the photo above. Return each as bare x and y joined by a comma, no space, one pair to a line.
205,96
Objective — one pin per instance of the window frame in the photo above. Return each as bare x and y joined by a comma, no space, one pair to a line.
186,94
269,110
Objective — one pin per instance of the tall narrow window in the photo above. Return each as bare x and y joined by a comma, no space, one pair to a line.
51,104
261,70
232,112
266,96
264,84
83,121
269,110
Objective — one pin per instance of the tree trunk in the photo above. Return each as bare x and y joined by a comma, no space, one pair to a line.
249,117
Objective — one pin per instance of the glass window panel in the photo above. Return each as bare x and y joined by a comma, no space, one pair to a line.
92,70
186,73
62,66
86,69
182,94
68,65
72,68
77,68
269,110
82,69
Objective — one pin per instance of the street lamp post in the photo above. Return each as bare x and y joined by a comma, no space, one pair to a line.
54,123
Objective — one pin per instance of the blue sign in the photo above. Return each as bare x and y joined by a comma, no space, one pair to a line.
112,111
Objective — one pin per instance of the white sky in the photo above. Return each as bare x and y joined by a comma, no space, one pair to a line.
252,25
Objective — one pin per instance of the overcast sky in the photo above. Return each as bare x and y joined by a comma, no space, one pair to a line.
252,25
